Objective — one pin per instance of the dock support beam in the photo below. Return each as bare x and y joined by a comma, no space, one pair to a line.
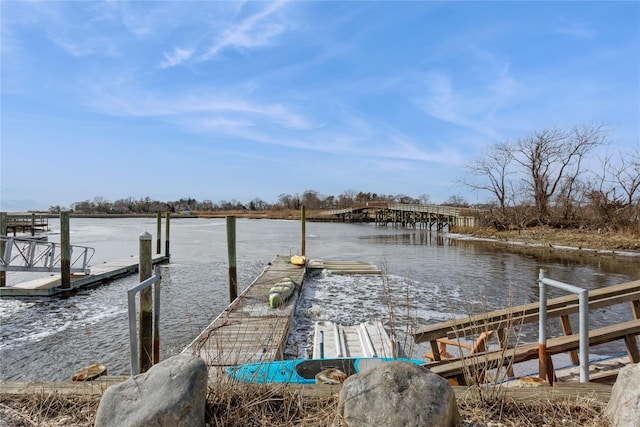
3,232
303,219
231,250
65,252
146,305
166,239
159,233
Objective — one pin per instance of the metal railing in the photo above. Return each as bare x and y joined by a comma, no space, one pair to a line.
25,254
583,299
131,297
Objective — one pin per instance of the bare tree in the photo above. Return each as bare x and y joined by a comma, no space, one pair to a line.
553,158
627,175
424,199
492,170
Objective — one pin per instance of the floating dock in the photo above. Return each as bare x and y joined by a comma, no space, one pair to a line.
49,286
248,330
333,340
343,267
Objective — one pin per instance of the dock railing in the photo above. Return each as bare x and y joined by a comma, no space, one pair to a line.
26,254
583,301
133,330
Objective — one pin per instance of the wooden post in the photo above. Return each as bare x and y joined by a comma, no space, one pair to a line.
304,233
159,220
33,224
231,250
166,237
156,320
3,245
65,251
145,355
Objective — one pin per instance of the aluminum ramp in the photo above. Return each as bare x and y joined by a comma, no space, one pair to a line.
368,339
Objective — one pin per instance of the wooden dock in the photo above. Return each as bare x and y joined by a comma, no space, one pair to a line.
343,267
49,286
248,330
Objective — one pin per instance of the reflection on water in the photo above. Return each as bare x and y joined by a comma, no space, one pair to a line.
428,278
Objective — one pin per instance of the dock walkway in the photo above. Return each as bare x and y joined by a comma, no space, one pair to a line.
248,330
50,285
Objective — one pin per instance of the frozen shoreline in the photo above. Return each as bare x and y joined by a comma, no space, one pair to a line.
607,252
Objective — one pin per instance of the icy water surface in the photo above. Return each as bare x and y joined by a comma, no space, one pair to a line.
428,278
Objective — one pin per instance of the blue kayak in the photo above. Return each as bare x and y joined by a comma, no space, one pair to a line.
307,371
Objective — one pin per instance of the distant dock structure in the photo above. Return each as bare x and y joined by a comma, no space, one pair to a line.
27,223
69,264
406,215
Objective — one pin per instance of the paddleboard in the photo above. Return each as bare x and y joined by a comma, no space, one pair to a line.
307,371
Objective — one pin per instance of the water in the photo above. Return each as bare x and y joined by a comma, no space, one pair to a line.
428,278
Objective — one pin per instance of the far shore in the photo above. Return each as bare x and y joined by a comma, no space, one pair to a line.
594,242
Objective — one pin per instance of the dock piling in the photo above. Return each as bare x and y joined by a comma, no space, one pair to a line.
3,232
303,220
159,233
231,250
146,305
166,240
65,251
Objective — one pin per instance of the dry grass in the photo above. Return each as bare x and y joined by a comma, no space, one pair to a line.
583,239
47,409
260,405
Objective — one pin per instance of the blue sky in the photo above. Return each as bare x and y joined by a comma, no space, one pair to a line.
238,100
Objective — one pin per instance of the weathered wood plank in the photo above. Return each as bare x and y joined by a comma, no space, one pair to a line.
249,330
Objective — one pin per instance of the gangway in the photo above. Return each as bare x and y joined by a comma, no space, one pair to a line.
368,339
34,255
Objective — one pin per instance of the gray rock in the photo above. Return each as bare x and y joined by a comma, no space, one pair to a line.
172,393
623,408
397,394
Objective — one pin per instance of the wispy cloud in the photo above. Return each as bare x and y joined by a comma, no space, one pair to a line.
575,30
255,31
178,56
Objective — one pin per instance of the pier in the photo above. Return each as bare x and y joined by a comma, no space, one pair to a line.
248,330
406,215
101,273
25,223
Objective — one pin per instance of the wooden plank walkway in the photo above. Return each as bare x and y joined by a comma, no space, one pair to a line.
48,286
248,330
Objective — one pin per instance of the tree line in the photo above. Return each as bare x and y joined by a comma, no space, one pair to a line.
311,199
552,177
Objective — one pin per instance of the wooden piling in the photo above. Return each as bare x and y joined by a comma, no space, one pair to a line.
159,233
304,233
145,355
3,232
166,238
65,252
231,250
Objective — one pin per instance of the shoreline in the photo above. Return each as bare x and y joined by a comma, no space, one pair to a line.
540,245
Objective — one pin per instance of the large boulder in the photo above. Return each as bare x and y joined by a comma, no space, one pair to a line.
397,394
623,408
172,393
